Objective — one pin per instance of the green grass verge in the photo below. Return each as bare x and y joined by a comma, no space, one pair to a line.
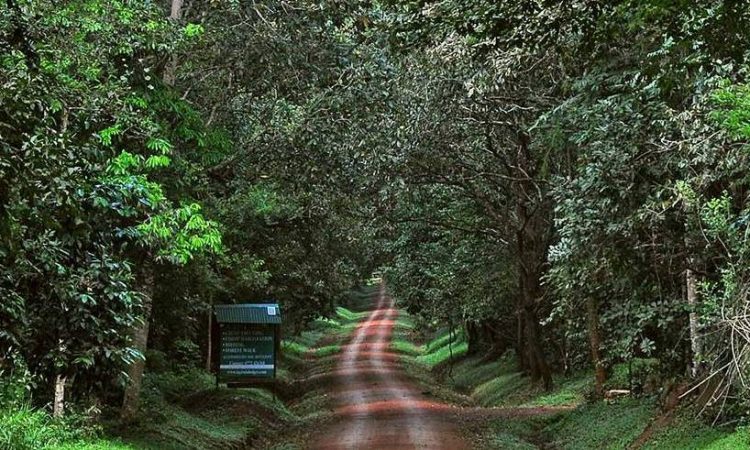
499,383
328,331
687,433
26,428
513,433
186,411
100,444
405,346
445,347
601,425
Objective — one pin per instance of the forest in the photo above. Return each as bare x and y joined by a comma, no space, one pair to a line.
556,188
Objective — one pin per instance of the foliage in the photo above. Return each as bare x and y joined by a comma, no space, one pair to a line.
73,132
577,154
564,180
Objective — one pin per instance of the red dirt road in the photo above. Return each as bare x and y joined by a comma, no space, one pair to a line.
378,406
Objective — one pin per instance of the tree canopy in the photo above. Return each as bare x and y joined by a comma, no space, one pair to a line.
563,180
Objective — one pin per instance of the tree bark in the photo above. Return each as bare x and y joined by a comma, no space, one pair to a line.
58,407
531,292
539,370
135,370
176,11
595,341
531,248
472,337
523,364
170,71
208,346
692,300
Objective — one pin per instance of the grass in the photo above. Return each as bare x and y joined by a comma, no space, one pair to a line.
190,413
507,441
445,347
469,373
327,350
186,411
494,382
508,389
498,383
569,391
687,433
405,347
325,331
26,428
601,425
597,425
513,433
402,340
95,445
346,314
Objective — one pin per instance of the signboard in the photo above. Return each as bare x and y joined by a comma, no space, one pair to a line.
247,352
244,343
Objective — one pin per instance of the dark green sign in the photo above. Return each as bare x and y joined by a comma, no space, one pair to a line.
247,352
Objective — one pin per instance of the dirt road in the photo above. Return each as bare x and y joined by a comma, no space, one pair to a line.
379,407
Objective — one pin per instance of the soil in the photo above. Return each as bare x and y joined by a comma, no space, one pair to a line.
377,405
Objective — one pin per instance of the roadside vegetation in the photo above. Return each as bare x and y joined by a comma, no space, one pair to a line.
563,418
183,409
563,184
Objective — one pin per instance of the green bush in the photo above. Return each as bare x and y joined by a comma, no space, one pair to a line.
14,387
640,374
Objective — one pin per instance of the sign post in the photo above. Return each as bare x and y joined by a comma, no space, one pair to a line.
248,340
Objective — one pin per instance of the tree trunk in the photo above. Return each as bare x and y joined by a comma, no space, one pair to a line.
170,71
539,370
595,341
531,292
692,300
176,10
58,407
532,212
135,370
523,364
472,337
208,346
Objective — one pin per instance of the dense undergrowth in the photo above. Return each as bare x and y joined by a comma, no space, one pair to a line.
183,409
564,418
